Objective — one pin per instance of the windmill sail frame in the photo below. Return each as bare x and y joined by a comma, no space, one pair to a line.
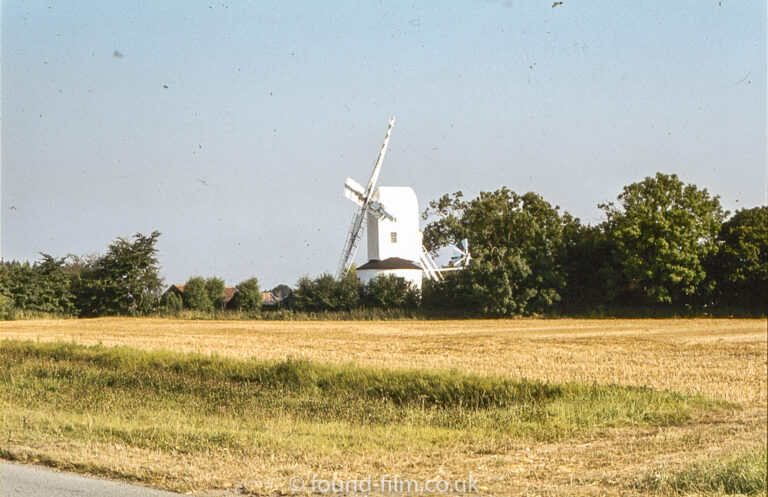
364,200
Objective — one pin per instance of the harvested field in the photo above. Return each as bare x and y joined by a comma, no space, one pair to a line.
724,358
646,442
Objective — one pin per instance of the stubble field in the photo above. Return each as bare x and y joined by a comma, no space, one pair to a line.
696,391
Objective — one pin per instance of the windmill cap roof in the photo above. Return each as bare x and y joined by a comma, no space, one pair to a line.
391,263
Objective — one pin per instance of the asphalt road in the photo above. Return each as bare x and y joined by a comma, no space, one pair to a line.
17,480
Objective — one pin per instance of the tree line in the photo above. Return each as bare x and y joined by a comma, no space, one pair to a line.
664,246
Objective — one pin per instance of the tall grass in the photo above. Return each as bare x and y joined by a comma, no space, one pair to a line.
361,314
743,473
80,379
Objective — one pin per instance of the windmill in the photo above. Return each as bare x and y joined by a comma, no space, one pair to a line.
391,215
363,198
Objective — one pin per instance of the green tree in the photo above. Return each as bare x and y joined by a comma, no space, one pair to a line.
281,291
390,292
7,310
248,297
41,287
18,284
216,289
54,294
126,280
196,297
663,230
483,288
593,277
349,290
740,267
326,293
516,242
172,303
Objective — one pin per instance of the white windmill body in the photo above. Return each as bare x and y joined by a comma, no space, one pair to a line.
394,245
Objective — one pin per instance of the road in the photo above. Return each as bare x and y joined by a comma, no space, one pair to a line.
17,480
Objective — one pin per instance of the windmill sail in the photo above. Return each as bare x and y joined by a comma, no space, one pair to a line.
354,191
380,159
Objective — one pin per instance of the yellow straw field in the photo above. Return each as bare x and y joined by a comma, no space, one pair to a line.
724,360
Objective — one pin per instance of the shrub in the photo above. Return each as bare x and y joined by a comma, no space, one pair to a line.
248,296
196,296
216,290
326,293
390,292
171,303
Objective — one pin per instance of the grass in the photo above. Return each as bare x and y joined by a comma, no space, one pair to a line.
361,314
77,379
177,403
528,407
743,473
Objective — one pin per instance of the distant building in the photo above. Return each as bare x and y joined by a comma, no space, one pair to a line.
229,294
276,300
177,289
269,299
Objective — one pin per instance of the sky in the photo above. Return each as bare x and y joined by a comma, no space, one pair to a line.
231,127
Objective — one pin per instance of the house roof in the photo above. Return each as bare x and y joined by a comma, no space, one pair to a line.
391,263
229,292
269,298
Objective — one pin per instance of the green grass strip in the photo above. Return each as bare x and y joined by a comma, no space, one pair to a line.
138,396
743,473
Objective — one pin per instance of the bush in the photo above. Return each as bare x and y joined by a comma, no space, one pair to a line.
42,287
216,290
7,311
248,296
484,289
391,292
171,303
196,296
326,293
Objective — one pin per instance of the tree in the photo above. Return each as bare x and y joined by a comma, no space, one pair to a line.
662,230
18,285
171,302
349,290
248,297
196,297
516,240
483,288
281,291
216,289
54,294
126,280
740,267
326,293
7,310
41,287
593,277
390,292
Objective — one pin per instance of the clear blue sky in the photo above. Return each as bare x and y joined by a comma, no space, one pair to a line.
230,127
